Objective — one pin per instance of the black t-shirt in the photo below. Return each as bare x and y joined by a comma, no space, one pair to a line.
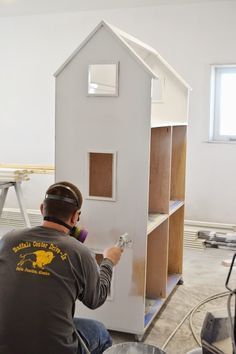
42,273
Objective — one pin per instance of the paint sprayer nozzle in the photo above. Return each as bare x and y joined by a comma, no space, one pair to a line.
123,241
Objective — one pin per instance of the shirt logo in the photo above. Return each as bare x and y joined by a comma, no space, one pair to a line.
36,262
38,259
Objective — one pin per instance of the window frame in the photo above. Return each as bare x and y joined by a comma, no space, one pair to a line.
216,72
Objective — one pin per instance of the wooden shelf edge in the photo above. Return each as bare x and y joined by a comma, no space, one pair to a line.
177,204
159,124
155,220
155,308
172,281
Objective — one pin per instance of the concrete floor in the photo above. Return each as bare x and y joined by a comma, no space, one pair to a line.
203,276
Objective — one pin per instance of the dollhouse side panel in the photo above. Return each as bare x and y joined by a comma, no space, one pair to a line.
113,134
172,105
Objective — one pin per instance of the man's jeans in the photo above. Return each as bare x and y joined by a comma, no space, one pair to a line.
94,334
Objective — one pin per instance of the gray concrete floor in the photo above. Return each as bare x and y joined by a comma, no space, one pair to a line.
203,275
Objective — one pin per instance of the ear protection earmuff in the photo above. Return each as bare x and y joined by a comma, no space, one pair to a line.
61,197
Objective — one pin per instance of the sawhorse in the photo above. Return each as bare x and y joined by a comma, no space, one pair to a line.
5,186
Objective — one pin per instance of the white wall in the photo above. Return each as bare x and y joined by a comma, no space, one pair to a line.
189,36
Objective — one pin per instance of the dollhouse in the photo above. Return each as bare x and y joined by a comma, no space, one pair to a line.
121,122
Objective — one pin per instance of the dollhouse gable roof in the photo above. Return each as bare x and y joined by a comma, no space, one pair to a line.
116,34
145,55
148,55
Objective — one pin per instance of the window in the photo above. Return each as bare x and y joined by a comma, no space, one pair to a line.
103,80
223,103
158,88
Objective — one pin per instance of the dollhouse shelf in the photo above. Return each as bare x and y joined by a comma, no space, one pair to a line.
158,124
153,306
154,220
175,205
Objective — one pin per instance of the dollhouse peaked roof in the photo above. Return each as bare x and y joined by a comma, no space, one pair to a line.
145,55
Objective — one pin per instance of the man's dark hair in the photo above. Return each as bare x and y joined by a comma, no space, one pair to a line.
59,208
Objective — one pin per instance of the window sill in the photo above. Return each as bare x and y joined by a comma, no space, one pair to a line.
220,142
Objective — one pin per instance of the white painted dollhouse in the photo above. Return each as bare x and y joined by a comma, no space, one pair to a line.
121,117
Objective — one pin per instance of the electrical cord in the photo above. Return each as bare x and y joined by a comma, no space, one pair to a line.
210,298
191,312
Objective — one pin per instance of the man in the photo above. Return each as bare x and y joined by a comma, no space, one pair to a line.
43,270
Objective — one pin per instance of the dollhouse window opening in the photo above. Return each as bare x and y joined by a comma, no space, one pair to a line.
103,79
101,175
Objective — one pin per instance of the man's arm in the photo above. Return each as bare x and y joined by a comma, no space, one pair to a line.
97,281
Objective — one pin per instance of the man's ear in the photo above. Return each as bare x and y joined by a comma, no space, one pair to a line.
74,217
41,208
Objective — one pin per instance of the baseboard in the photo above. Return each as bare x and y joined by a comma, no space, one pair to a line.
191,228
13,218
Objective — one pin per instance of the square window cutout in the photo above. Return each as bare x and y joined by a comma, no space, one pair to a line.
103,79
101,175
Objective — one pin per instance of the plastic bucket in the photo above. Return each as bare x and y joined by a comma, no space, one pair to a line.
133,348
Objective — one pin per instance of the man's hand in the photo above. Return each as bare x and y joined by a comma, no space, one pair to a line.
113,254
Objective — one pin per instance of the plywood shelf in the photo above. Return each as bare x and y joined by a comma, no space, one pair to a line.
172,281
159,123
166,214
175,205
153,306
154,220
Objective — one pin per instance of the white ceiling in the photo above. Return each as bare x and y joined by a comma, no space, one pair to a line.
27,7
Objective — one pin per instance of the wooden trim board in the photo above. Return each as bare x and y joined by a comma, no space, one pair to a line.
37,169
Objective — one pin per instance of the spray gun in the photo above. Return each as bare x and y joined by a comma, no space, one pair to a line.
123,241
